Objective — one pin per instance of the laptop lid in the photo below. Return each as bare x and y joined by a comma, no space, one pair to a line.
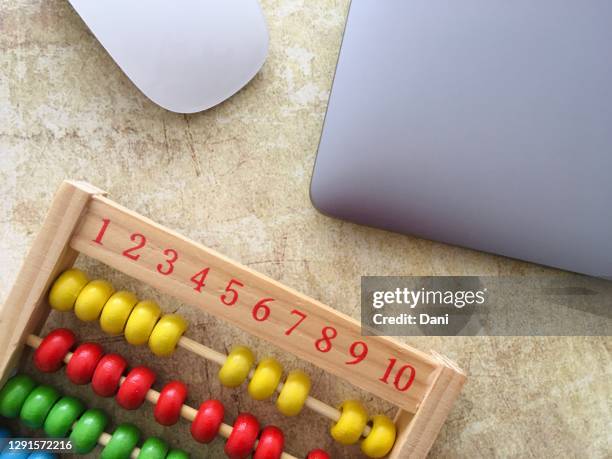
485,124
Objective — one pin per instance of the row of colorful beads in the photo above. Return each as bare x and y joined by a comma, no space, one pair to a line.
118,312
121,312
89,364
266,380
42,406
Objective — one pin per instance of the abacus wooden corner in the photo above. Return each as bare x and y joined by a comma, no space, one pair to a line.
25,308
417,432
82,220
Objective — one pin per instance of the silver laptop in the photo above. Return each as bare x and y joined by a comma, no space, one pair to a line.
481,123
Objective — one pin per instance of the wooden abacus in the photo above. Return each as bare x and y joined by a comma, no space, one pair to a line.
82,220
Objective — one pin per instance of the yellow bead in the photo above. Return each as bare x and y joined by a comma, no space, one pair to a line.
116,312
352,421
66,288
166,334
141,322
236,367
294,393
265,379
381,438
92,299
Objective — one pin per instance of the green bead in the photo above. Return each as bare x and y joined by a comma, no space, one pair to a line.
61,417
87,430
14,393
153,448
38,404
124,440
177,454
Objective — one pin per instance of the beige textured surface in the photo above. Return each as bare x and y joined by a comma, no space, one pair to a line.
236,178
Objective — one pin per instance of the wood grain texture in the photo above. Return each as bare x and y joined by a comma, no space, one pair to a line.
128,229
26,309
417,433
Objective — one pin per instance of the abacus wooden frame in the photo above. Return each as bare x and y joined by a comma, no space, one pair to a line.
76,211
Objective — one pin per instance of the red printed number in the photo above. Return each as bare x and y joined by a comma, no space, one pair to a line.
199,278
231,296
261,311
398,376
172,257
359,354
324,344
296,325
98,239
140,243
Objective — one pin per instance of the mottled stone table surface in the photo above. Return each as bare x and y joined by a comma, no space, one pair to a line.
236,179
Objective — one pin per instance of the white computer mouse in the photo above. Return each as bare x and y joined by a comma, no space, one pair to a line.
185,55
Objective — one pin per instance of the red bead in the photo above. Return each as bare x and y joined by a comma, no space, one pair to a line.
82,364
242,439
318,454
168,407
207,422
133,390
107,374
49,356
271,444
